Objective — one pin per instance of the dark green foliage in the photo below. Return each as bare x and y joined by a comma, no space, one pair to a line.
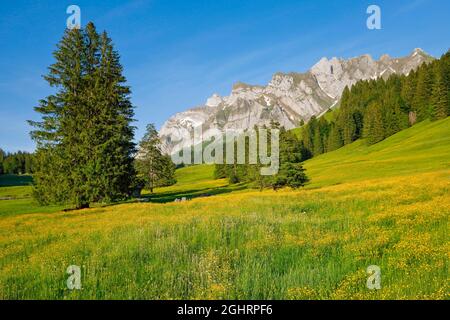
308,134
422,94
155,168
374,130
408,90
85,139
440,97
2,158
446,70
346,121
314,137
167,174
290,174
16,163
318,147
344,118
334,139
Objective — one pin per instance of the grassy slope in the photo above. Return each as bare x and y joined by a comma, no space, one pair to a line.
424,147
386,204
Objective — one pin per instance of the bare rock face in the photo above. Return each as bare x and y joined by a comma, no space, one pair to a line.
214,101
287,98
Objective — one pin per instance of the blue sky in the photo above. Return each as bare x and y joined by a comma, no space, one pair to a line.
178,53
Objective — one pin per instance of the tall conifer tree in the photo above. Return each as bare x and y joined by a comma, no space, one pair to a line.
85,138
422,94
439,96
373,124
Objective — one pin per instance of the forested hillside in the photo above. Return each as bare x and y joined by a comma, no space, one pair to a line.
377,109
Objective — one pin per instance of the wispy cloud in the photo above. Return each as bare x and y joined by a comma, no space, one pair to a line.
410,6
123,10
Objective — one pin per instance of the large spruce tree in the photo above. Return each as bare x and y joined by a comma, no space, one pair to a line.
85,138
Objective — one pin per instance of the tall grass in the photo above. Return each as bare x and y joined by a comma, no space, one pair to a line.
385,205
309,244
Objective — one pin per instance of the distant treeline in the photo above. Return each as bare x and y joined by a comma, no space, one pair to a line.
16,163
377,109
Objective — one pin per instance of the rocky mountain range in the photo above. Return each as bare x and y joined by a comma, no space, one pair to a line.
288,98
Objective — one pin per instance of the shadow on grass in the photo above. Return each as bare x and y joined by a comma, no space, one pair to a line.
12,180
26,205
165,197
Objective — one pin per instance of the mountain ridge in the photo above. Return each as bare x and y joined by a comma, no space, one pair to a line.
288,98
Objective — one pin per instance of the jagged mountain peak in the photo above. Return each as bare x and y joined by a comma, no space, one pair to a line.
214,101
418,51
385,58
241,86
287,98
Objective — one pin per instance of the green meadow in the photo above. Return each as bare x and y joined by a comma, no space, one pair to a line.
387,205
